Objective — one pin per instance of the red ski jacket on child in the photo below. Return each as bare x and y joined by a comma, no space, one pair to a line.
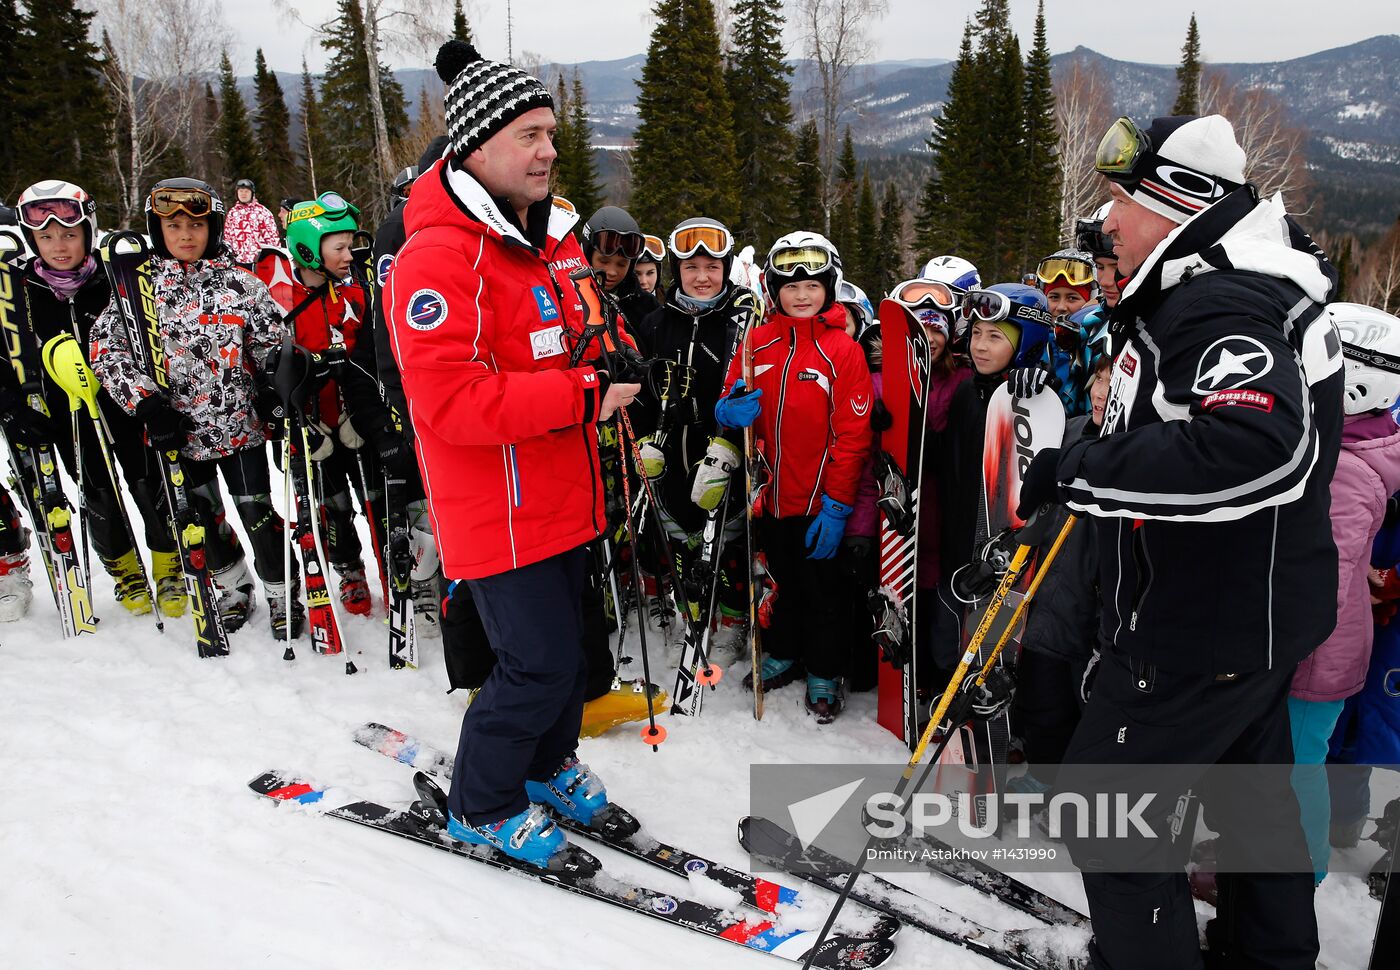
814,423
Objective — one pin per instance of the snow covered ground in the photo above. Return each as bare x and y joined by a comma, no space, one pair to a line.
128,837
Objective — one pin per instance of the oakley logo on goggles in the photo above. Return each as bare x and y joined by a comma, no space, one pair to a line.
36,215
610,242
992,307
811,259
688,241
921,293
195,203
1073,271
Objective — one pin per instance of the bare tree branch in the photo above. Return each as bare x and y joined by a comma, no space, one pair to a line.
1273,145
1083,111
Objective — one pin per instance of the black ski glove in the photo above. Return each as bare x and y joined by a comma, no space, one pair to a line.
1039,484
166,428
23,424
309,373
394,450
880,417
1030,381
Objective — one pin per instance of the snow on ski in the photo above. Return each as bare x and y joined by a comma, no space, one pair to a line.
837,953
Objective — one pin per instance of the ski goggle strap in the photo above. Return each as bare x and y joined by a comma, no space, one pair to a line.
920,293
685,242
195,203
1372,358
992,307
655,247
812,259
1073,271
1120,149
331,204
610,242
37,214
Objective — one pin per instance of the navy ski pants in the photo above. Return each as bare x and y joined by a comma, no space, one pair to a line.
525,720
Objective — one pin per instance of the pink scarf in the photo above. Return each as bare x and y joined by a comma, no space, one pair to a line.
65,283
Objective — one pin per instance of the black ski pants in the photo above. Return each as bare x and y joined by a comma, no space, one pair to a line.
1047,708
1142,911
808,625
246,476
525,721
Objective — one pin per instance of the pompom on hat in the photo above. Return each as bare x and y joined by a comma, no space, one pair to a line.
483,96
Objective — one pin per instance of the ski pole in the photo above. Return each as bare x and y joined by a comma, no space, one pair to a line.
1008,580
288,513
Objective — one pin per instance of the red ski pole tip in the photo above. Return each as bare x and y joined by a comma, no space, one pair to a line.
653,734
709,675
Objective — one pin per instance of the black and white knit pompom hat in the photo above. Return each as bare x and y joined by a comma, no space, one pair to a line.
483,96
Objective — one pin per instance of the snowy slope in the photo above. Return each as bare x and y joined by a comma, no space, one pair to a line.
129,840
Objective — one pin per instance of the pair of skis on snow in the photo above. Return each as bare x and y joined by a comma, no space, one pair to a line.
867,943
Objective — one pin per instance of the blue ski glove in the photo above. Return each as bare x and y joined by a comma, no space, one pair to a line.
739,408
826,530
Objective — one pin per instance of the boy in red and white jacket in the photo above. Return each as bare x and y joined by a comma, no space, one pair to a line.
810,410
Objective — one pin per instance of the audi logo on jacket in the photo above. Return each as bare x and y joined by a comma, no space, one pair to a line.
814,424
506,436
1220,437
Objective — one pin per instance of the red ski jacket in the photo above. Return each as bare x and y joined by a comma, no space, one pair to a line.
814,423
480,320
341,309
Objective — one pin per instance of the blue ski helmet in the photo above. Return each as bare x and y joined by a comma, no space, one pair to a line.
1023,315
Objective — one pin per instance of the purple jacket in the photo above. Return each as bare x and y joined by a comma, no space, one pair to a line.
1368,473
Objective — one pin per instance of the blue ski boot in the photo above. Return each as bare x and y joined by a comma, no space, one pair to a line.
573,791
824,698
530,836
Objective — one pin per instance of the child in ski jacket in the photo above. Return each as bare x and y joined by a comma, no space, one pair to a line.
63,291
810,408
217,325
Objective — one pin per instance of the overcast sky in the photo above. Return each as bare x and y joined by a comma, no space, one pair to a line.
568,31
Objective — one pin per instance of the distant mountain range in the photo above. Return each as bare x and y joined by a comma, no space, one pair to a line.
1347,98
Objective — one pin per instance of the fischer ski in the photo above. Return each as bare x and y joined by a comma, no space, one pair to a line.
129,272
771,844
619,829
398,563
581,874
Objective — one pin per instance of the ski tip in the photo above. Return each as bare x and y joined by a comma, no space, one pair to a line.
844,953
282,786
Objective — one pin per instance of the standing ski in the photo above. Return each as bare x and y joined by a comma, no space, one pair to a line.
899,469
753,500
127,260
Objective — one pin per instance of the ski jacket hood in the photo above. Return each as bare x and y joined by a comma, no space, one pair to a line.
814,424
1220,436
1368,473
483,320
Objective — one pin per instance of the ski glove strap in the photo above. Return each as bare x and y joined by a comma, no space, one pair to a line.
824,534
739,408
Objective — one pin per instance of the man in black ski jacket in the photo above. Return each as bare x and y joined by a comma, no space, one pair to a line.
1209,485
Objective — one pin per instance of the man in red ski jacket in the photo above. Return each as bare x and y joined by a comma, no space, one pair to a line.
484,324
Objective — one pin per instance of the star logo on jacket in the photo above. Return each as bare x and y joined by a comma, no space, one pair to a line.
1229,363
426,310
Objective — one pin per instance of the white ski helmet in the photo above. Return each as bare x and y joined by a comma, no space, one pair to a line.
803,255
954,271
857,304
1371,348
44,202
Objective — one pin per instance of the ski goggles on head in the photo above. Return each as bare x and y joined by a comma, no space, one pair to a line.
37,214
689,240
1120,149
610,242
810,259
915,294
331,204
992,307
195,203
655,248
1073,271
1090,237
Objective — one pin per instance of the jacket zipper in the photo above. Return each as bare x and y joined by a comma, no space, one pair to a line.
1144,568
778,420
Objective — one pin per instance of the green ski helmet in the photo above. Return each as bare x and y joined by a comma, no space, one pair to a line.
312,221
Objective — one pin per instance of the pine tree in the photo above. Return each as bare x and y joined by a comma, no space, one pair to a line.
684,164
60,126
757,79
864,238
274,122
587,191
561,173
807,178
351,167
887,261
10,76
206,155
941,226
315,152
460,29
1188,75
236,140
842,231
1042,174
